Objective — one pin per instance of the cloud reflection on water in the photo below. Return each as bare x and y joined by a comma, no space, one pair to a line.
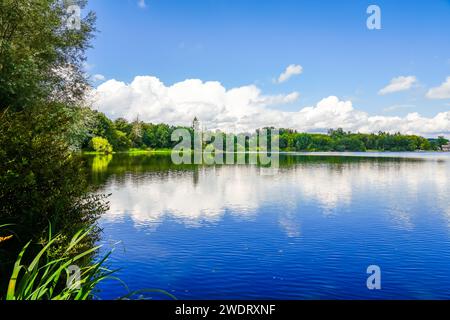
205,194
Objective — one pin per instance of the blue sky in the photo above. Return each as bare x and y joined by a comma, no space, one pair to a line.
244,42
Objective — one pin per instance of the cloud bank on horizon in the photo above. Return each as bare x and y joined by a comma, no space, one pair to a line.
246,108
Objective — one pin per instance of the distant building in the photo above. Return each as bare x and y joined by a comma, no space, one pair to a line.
196,124
446,147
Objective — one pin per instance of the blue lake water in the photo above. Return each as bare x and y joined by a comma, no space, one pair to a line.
308,232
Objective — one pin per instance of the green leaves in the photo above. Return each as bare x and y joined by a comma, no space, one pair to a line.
44,278
36,49
101,145
42,85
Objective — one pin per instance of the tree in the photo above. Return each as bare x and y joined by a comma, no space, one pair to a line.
321,142
42,86
149,137
40,57
283,141
352,143
336,134
441,141
425,144
43,184
163,133
102,126
157,136
120,141
100,144
302,142
136,134
123,125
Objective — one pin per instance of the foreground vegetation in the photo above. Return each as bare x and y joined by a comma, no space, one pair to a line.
42,276
48,210
42,94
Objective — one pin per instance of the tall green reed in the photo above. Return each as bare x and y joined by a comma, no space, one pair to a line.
45,277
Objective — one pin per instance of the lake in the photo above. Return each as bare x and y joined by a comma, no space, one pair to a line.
308,232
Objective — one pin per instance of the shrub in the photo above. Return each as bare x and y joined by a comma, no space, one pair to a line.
41,180
100,144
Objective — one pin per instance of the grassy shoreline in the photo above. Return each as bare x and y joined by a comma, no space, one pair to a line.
131,151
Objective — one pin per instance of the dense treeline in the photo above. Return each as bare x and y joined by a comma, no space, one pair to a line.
339,140
106,135
122,135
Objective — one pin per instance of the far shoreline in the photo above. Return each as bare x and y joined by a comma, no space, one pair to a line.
368,152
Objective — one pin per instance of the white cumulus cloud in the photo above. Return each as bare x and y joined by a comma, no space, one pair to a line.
441,92
291,70
401,83
246,108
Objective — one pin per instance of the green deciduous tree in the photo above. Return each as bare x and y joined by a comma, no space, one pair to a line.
42,86
100,144
441,141
41,57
